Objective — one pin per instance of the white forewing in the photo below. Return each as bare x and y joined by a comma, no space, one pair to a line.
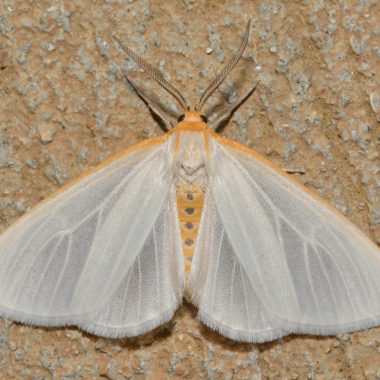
89,256
299,266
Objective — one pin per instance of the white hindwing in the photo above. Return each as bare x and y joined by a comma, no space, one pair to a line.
104,254
219,286
277,260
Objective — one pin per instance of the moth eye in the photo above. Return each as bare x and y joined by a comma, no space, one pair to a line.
204,118
181,118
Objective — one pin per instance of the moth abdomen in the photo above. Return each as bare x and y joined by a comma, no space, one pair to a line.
190,201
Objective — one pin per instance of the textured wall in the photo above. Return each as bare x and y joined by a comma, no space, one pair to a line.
64,107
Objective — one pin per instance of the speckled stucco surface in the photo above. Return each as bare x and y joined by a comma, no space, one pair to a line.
65,107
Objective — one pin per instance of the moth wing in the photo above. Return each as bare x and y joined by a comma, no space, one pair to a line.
279,260
220,287
103,254
151,290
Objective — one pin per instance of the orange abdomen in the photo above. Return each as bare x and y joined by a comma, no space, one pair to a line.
190,204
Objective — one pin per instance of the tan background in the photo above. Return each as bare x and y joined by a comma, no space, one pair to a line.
64,107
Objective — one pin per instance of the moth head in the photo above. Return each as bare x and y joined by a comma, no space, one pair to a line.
188,111
192,116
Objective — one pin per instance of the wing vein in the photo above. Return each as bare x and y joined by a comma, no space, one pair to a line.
15,260
139,302
158,299
243,229
122,308
312,286
67,253
140,213
217,262
353,267
339,272
328,282
132,174
42,275
232,288
245,297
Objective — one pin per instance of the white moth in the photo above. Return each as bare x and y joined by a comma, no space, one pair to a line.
110,253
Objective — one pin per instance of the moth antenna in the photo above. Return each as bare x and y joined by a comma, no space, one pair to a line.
228,111
152,105
226,70
154,73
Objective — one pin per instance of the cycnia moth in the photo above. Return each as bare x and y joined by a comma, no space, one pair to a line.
259,255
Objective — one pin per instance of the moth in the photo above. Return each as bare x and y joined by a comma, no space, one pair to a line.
259,255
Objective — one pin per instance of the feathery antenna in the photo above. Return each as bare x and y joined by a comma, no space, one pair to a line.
226,70
154,73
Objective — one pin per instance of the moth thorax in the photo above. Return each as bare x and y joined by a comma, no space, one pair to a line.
190,159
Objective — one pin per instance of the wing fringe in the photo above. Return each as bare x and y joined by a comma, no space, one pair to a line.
91,327
274,334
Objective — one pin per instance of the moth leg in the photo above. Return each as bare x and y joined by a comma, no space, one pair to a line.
152,105
226,113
